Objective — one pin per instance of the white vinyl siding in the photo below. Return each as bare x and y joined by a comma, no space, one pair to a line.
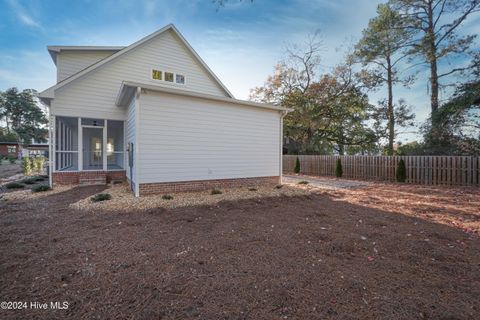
94,94
71,62
131,137
185,138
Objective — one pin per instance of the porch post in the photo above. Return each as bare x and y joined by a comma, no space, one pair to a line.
104,146
80,145
51,149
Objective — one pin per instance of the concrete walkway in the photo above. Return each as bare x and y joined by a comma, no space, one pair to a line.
324,182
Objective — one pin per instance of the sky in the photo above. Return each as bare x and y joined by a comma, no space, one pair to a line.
241,42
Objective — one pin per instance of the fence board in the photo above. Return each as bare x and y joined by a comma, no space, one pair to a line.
428,170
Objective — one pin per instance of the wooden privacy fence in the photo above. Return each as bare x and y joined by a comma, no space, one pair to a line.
433,170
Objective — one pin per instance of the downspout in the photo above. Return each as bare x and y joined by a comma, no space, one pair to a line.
283,114
136,146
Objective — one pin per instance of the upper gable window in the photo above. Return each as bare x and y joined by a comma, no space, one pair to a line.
179,78
157,74
168,76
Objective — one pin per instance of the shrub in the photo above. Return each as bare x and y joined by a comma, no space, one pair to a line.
26,166
14,185
37,164
167,197
40,188
12,160
339,168
252,189
38,178
303,182
216,191
279,186
297,166
29,180
44,176
101,197
401,173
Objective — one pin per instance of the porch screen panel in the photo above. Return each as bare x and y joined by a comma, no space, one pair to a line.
66,145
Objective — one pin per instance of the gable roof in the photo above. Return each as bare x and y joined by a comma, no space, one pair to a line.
55,50
48,93
128,89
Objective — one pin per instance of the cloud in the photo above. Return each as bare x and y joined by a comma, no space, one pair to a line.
22,14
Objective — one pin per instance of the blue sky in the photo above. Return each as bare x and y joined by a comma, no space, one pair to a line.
241,42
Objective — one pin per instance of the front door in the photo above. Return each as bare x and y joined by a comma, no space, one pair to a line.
92,148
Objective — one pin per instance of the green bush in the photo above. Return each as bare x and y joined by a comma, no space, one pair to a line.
26,166
303,182
101,197
401,173
29,180
37,164
279,186
14,185
252,189
216,191
40,188
167,197
12,160
297,166
339,169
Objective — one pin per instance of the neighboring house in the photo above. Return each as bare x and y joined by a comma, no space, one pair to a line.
155,114
36,150
9,149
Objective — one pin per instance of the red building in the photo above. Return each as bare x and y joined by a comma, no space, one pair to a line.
9,149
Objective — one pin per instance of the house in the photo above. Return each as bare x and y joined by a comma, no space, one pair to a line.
155,114
9,149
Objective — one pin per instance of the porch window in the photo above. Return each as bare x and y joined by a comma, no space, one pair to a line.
115,145
66,148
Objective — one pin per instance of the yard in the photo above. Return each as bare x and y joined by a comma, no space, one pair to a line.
382,251
8,169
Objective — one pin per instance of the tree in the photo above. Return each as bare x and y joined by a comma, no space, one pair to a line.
435,23
297,166
22,116
401,173
330,109
386,125
381,50
338,168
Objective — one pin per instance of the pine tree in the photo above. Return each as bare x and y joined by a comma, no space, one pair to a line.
297,166
401,173
339,168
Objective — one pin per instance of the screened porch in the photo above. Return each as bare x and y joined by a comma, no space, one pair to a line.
86,144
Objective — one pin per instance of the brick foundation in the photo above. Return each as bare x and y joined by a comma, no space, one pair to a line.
186,186
74,177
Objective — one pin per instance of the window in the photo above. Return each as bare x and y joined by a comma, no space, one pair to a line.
11,149
156,74
169,76
180,79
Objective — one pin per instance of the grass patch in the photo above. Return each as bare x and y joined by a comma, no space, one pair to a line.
303,182
216,191
167,197
101,197
14,185
252,189
279,186
40,188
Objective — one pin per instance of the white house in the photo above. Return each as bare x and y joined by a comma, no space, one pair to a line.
155,114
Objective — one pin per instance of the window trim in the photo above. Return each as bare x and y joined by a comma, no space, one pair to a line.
163,71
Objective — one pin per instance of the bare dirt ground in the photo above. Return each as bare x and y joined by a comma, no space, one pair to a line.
351,254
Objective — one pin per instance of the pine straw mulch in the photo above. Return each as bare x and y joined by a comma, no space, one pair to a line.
453,206
314,256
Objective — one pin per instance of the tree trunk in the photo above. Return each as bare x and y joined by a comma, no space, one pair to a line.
390,112
341,149
432,59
